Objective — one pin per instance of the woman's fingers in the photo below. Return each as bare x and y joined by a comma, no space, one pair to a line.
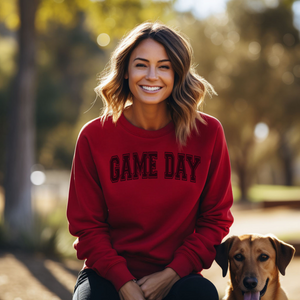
131,291
142,280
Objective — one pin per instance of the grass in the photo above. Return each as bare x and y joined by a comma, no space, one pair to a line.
290,237
274,192
50,236
54,234
259,193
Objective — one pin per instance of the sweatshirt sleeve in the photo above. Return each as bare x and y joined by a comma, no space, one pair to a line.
214,217
87,213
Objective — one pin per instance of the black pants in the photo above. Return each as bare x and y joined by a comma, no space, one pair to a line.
90,286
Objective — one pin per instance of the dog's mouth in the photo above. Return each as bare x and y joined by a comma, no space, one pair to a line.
256,295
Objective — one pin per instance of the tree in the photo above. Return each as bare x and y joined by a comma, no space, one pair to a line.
43,15
250,56
267,81
21,130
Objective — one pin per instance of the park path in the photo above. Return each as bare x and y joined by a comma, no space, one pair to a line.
31,277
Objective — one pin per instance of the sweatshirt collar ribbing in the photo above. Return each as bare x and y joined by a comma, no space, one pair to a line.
145,133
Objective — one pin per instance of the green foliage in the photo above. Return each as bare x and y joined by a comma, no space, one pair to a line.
9,14
49,235
251,86
288,3
65,64
68,60
252,57
114,17
8,47
258,193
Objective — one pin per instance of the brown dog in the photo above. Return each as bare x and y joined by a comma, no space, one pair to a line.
255,262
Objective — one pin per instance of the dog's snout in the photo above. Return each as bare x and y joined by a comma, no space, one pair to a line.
250,283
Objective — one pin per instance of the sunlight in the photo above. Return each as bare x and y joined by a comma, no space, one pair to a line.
261,131
103,39
201,8
37,177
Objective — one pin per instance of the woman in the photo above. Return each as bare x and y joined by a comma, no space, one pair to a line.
150,189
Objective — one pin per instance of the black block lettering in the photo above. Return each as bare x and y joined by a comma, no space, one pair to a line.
193,165
181,167
169,165
152,165
126,170
114,169
139,166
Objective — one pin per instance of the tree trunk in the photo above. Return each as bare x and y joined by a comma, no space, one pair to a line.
241,172
21,130
286,155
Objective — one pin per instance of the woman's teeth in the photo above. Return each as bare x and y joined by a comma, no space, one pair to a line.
151,88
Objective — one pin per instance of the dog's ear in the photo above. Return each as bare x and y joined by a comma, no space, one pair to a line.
284,253
222,254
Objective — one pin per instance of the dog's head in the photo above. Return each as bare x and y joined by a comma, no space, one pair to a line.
254,262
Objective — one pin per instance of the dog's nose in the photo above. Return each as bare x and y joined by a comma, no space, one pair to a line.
250,283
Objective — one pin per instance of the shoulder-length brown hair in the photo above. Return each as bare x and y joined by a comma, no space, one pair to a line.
189,88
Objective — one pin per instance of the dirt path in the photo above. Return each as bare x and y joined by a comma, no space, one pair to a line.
27,277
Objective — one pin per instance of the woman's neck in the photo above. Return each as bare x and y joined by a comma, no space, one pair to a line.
148,117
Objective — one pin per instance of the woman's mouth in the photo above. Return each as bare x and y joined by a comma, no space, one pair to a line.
151,88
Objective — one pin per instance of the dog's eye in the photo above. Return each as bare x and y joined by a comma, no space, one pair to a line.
239,257
263,257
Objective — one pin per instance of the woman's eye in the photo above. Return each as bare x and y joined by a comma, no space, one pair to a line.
165,67
239,257
140,65
263,257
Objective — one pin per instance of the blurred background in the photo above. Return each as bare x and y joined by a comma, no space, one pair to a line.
50,54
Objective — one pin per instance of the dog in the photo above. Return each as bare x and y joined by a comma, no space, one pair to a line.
255,262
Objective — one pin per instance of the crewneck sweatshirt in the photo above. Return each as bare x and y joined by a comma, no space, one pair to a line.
139,202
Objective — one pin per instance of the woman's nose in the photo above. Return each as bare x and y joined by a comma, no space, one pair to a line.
151,75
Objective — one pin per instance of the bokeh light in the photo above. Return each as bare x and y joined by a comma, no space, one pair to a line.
38,177
261,131
110,22
217,38
277,49
296,70
103,39
288,78
233,36
254,48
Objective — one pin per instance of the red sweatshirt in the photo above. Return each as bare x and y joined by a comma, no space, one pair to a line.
138,203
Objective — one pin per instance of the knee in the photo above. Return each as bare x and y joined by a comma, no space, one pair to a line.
195,288
210,291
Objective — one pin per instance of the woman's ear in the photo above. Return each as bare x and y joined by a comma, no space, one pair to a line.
126,75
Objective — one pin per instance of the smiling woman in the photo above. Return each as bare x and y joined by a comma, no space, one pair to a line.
150,191
151,79
154,51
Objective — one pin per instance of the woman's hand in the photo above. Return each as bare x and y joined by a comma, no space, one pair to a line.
157,285
131,291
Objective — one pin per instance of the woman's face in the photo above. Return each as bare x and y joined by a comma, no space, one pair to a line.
150,74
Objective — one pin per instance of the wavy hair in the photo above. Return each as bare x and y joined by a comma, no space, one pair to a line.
189,88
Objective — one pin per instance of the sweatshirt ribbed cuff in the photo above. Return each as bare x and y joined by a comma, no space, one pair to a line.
118,275
181,265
